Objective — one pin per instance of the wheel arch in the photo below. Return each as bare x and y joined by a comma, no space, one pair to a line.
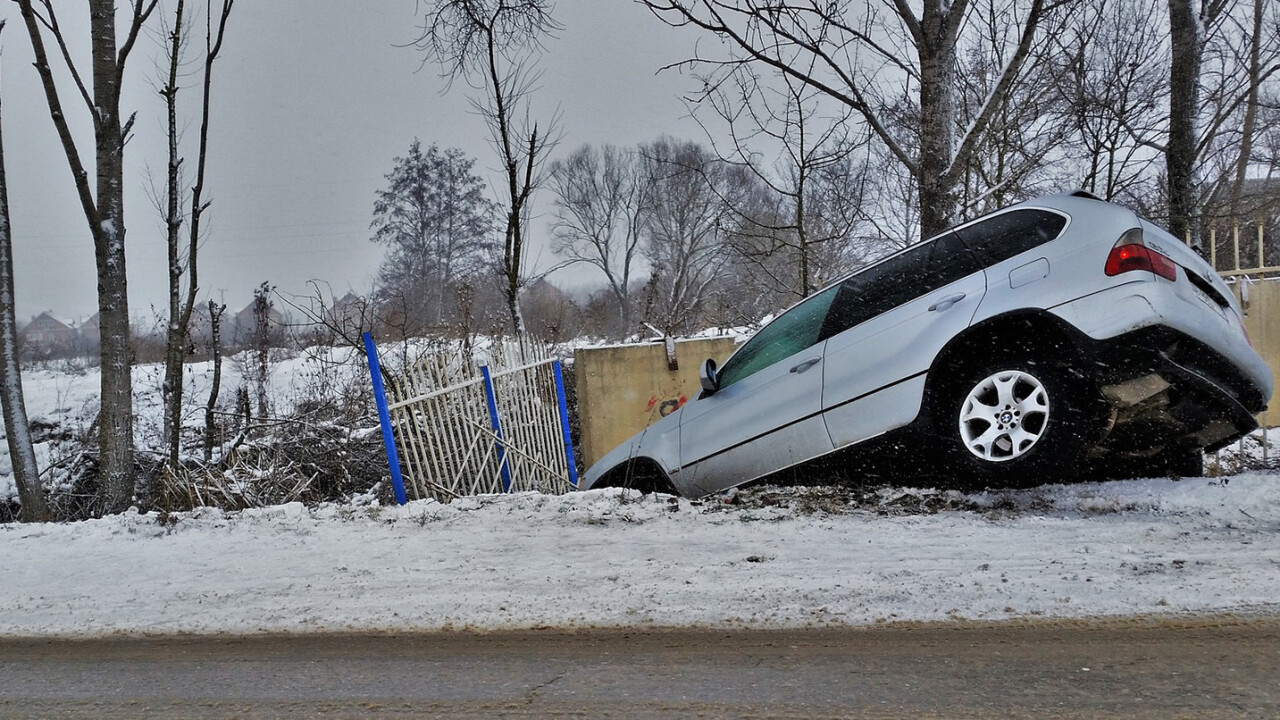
638,473
1034,332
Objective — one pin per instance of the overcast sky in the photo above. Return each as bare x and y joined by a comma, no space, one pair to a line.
312,100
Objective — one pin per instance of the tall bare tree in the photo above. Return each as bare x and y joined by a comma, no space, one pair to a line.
22,454
601,200
493,45
1187,29
1223,52
103,207
871,57
1113,73
181,304
691,191
800,152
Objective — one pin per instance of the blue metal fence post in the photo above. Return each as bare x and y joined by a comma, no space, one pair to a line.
564,425
384,417
492,401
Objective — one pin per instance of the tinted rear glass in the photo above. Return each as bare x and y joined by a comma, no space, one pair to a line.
1008,234
899,280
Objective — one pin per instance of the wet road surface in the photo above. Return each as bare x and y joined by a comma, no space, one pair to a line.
1132,669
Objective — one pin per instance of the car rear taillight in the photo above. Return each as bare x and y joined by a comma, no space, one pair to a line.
1131,253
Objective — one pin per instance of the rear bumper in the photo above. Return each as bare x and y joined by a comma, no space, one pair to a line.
1163,327
1209,402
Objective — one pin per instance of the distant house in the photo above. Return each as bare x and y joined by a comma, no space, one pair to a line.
48,336
350,315
91,331
1258,202
244,327
1245,228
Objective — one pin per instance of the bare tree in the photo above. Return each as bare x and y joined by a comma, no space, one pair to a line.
1218,65
600,208
684,230
868,56
103,208
1187,27
1249,126
182,304
215,347
1240,67
1008,163
799,234
493,45
260,345
22,454
1113,73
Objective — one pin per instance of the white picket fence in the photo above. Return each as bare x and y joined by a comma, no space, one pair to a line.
467,428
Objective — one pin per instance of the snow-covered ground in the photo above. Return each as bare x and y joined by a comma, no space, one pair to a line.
771,558
775,558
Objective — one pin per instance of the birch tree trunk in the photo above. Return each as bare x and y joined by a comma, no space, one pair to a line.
22,453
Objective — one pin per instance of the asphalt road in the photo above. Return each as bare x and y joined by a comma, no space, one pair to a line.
1130,669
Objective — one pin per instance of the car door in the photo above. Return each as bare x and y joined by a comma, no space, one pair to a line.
885,329
766,413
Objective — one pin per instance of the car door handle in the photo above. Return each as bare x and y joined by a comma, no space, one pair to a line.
805,365
946,302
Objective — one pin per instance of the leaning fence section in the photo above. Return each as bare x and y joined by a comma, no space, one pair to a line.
495,424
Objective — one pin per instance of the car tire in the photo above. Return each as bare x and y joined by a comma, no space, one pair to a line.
1015,423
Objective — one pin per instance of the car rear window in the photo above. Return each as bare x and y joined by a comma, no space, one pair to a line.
898,280
1007,234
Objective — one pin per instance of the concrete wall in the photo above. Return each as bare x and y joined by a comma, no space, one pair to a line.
1262,320
625,388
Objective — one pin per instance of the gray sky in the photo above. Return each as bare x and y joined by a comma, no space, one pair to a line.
312,100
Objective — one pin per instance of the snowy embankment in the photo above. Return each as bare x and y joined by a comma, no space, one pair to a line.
784,558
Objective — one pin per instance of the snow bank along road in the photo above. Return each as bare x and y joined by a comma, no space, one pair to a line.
608,559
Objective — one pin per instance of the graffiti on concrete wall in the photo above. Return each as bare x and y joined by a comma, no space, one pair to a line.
666,405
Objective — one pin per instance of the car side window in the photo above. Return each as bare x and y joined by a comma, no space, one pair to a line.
791,332
1008,234
949,261
898,280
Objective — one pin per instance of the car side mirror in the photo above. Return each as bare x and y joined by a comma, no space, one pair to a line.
710,383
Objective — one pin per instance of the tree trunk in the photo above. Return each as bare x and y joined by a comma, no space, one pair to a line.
22,453
937,71
215,333
1250,110
115,438
175,336
1180,152
105,216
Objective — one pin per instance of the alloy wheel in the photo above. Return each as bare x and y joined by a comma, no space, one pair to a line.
1004,416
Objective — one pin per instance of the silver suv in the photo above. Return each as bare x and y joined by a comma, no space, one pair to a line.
1057,335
